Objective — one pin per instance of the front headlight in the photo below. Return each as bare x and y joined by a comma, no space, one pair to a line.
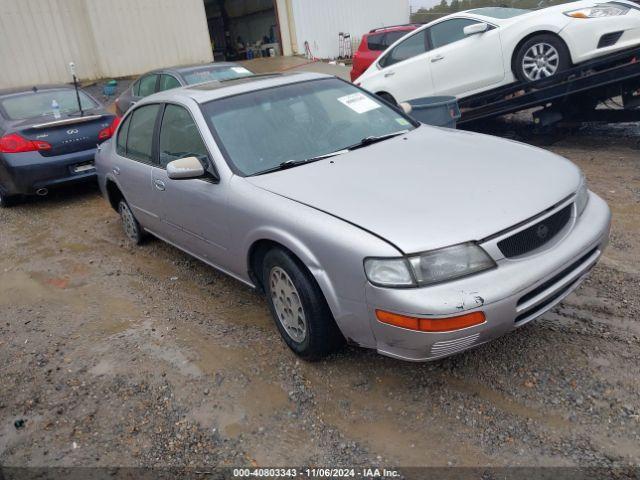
429,267
600,11
582,196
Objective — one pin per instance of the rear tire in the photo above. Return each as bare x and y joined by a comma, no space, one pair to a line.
542,56
298,307
7,201
132,229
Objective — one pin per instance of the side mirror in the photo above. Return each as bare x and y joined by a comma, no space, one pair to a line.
185,168
476,28
406,108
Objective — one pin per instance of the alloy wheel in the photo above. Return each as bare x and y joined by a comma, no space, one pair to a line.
541,60
287,304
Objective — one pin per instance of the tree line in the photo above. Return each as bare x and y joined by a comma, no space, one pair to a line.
424,15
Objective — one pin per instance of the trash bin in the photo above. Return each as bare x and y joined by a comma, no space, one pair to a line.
436,111
110,88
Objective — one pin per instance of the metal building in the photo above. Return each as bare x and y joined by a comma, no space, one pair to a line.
117,38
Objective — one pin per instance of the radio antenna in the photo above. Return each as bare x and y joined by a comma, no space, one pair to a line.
72,69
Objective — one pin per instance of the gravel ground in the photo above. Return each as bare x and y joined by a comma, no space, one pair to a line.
113,355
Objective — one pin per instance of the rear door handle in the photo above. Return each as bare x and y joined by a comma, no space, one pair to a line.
159,184
437,58
389,74
116,170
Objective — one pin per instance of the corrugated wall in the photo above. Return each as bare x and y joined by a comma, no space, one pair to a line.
320,22
114,38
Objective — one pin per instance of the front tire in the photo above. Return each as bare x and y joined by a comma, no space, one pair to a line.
542,56
130,225
298,307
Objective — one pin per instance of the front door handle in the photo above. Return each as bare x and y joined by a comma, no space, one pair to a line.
159,184
116,170
389,74
437,58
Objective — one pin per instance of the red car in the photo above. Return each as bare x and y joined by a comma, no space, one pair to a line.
374,43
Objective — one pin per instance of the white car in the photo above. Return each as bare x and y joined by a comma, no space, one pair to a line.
478,50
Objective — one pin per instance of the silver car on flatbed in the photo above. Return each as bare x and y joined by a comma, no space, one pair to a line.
357,222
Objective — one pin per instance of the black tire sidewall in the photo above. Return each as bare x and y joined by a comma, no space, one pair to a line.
563,51
317,342
6,200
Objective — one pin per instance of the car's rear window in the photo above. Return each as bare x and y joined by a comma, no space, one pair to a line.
39,104
499,12
203,75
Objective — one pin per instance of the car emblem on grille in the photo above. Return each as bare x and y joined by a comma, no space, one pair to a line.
542,231
73,131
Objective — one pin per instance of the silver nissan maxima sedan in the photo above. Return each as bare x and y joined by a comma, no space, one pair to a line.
357,222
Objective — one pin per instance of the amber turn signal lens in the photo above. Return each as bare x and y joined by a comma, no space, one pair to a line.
448,324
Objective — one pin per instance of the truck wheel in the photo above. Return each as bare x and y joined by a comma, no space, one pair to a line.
542,56
130,225
298,307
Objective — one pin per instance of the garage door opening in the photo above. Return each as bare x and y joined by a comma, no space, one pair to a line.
243,29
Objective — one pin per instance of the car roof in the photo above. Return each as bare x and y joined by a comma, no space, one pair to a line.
192,68
393,28
206,92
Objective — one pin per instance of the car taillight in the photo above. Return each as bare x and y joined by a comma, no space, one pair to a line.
108,132
14,143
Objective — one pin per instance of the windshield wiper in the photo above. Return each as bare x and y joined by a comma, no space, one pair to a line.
371,140
297,163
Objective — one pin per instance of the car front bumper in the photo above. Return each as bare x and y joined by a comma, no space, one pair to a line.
511,295
26,173
583,35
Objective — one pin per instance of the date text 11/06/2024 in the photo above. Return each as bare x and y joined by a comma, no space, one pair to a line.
365,473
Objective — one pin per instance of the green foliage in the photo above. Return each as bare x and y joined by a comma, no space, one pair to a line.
424,15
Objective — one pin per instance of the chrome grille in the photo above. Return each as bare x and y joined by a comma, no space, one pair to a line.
535,236
452,346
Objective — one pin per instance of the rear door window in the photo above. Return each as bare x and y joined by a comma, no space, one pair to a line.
140,135
392,37
376,42
415,45
449,31
147,85
167,82
180,137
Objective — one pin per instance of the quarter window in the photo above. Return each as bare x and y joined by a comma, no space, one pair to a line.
413,46
179,137
167,82
147,85
449,31
121,142
140,135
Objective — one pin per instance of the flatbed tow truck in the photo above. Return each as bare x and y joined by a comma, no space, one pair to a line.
576,95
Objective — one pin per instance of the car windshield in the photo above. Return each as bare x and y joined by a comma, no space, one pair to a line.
264,129
499,12
39,104
203,75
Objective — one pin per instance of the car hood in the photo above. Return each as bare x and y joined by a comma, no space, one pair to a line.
432,187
